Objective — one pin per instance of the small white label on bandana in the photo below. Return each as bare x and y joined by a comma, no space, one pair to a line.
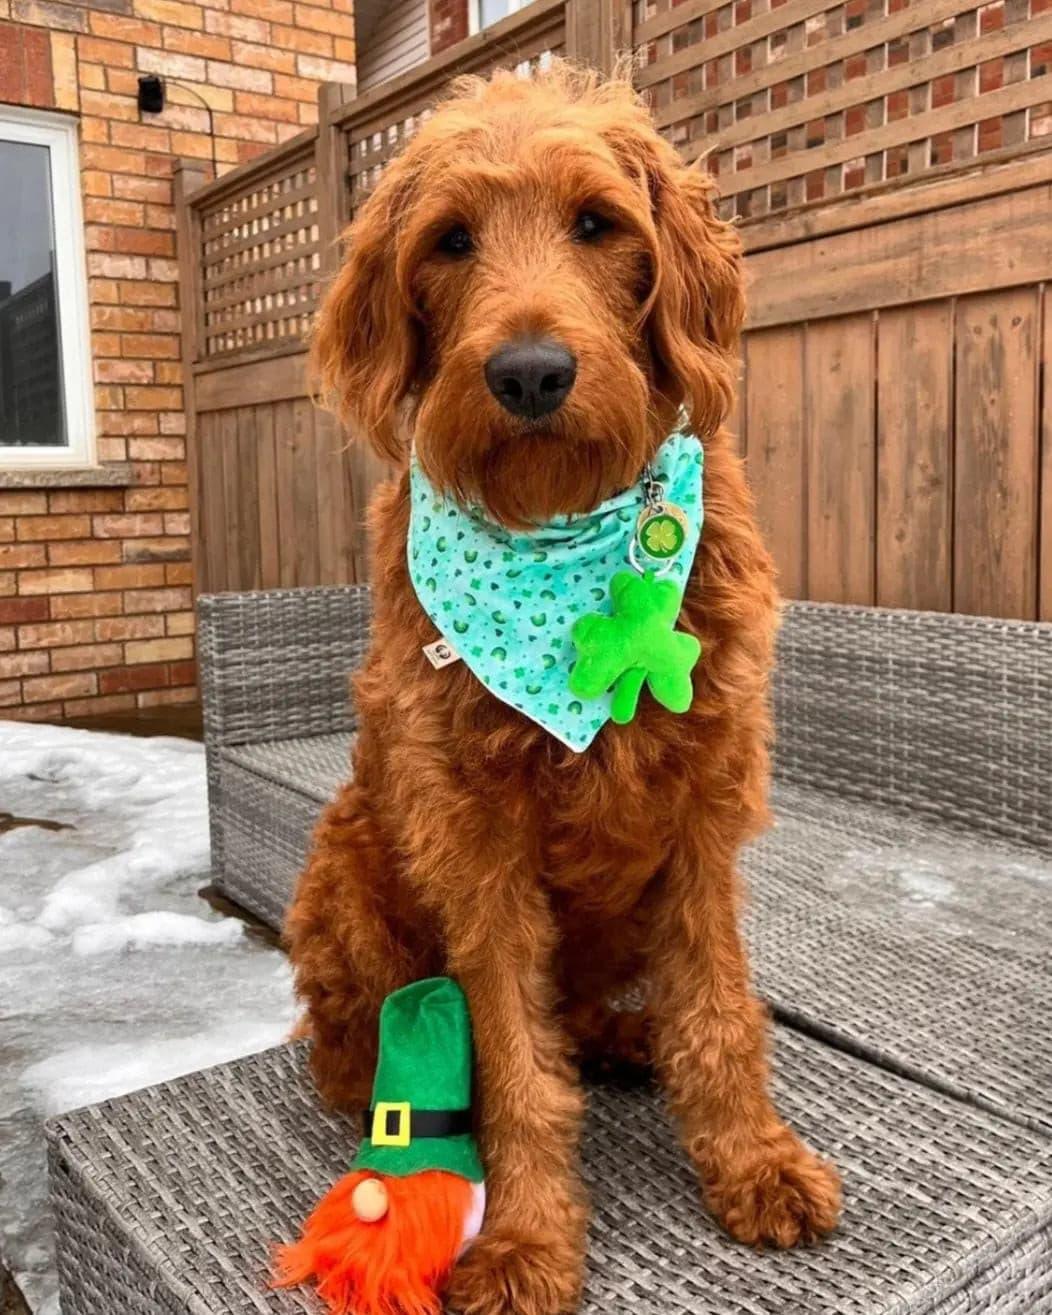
441,653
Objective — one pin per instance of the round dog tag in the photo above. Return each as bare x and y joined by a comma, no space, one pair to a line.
662,531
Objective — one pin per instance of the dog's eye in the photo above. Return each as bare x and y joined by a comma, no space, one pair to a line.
457,242
590,225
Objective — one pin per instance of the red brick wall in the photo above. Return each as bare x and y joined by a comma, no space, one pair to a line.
25,66
92,618
449,23
95,586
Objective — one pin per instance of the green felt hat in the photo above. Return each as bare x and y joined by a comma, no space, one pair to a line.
421,1108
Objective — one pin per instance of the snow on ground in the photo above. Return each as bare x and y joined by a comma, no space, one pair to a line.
114,974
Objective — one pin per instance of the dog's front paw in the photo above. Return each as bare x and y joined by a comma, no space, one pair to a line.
781,1194
505,1273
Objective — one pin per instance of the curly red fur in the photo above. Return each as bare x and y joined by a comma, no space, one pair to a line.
470,841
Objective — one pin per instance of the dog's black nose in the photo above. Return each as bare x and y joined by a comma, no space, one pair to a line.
531,377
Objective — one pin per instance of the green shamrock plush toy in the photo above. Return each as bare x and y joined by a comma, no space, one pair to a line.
638,644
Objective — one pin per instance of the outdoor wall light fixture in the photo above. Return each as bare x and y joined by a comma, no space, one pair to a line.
152,101
151,95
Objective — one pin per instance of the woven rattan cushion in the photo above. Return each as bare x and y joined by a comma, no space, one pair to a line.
167,1199
924,947
316,765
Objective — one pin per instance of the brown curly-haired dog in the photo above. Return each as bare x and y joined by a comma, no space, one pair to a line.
470,840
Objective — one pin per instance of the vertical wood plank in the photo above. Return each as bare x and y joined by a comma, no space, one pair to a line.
597,31
336,538
231,497
249,572
331,443
269,565
737,417
285,462
330,160
367,470
1045,564
995,531
841,459
187,178
199,524
201,516
775,408
217,505
914,524
327,496
214,501
355,569
305,493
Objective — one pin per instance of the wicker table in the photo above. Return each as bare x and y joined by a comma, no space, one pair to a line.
168,1200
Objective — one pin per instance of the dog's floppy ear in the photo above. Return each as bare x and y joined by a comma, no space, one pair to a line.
364,343
696,304
699,296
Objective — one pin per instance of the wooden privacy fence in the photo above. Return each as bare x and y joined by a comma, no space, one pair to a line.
890,165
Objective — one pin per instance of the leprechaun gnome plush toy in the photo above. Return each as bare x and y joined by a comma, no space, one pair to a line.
384,1239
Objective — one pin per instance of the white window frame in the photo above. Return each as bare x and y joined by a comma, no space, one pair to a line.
475,13
59,134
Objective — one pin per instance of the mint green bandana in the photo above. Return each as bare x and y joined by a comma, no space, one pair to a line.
506,601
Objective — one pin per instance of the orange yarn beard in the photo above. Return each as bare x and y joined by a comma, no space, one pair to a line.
396,1266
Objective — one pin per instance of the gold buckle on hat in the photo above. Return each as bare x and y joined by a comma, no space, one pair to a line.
380,1135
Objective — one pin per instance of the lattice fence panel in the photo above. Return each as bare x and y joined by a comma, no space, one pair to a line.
797,101
371,144
261,259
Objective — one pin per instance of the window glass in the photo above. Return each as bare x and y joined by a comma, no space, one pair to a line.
31,405
493,10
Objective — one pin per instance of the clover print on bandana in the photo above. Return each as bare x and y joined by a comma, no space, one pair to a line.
509,600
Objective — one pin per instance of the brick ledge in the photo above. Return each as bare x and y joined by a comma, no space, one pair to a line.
117,474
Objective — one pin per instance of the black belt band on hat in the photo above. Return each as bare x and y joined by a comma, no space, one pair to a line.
422,1123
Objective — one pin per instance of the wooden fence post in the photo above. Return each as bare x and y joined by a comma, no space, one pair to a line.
331,167
597,31
345,474
189,176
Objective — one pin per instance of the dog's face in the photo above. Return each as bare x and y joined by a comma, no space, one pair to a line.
534,288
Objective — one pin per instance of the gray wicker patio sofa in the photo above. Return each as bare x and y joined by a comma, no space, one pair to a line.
901,928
